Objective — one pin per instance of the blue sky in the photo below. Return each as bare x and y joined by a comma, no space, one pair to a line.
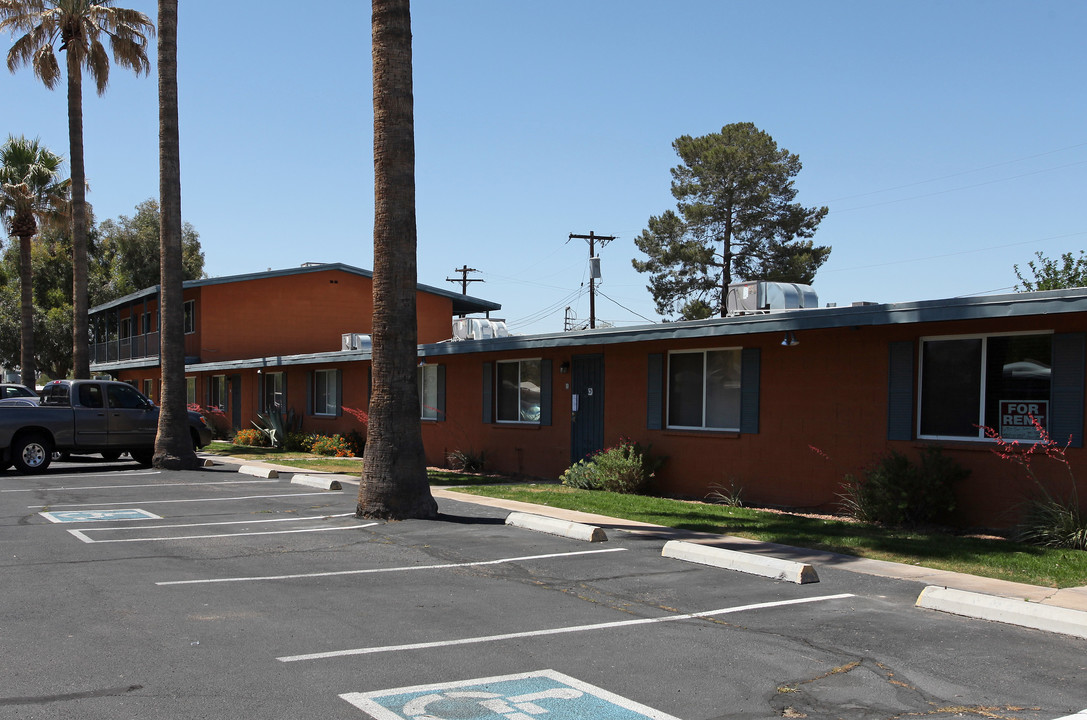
948,139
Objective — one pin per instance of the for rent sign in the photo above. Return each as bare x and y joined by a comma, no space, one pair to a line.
1017,418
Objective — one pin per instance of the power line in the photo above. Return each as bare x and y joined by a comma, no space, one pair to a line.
643,317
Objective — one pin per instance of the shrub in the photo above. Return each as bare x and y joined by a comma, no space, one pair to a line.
582,475
899,492
334,445
356,441
624,468
467,461
250,436
297,442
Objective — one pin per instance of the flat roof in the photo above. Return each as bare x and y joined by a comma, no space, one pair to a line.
1051,302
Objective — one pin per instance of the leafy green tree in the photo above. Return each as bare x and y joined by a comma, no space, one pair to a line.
131,246
31,191
51,269
77,27
394,480
51,261
735,216
1067,272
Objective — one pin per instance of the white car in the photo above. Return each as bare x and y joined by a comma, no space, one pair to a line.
10,391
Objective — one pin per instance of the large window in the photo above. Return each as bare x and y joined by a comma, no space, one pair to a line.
704,389
325,392
275,392
518,391
428,392
999,381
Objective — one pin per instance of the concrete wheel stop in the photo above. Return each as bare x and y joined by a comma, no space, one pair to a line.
749,563
555,526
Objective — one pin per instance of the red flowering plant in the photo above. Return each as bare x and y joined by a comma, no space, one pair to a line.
1050,520
216,420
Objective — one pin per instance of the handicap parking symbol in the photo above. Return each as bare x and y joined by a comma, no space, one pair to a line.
542,695
68,516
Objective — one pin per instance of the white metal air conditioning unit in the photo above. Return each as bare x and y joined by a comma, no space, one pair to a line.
479,329
355,341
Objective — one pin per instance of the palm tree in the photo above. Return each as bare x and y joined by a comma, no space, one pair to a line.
78,26
394,480
173,448
30,191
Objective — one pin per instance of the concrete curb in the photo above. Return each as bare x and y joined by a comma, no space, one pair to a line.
323,482
749,563
258,471
1005,610
554,526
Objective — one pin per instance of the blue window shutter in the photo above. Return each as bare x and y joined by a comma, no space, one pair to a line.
309,392
337,376
488,392
1066,389
749,390
441,393
900,391
545,392
654,398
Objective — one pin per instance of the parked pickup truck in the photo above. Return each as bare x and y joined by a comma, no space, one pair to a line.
84,417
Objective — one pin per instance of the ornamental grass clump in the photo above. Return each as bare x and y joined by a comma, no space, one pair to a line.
624,468
1049,519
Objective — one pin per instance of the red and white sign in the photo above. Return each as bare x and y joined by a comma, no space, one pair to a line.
1017,418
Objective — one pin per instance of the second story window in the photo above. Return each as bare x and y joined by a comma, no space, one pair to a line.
190,317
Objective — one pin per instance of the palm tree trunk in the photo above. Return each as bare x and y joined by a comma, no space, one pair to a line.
81,367
26,334
173,447
394,480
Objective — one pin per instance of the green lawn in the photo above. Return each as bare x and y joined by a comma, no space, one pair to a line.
976,556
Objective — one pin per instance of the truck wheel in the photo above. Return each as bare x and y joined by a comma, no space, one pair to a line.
32,454
143,457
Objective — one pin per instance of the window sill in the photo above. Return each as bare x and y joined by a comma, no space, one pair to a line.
515,426
719,434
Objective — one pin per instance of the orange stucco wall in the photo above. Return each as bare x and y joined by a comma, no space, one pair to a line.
298,314
822,416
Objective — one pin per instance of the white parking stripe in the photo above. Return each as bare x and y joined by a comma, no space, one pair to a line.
161,502
132,473
148,485
407,568
557,631
82,536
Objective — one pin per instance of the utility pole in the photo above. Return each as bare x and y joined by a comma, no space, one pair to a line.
594,271
464,279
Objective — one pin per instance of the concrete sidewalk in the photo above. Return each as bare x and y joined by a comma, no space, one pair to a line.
1069,598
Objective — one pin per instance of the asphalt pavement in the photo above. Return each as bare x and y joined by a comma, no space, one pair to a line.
133,593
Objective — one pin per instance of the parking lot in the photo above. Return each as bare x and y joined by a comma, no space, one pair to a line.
134,593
